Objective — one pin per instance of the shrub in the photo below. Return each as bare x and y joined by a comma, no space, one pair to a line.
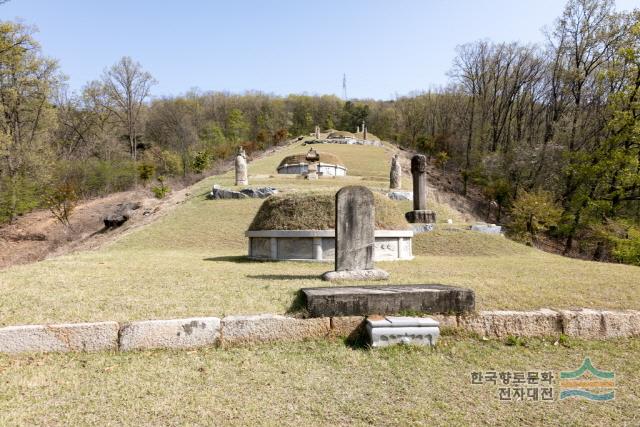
200,161
627,250
17,196
162,190
533,213
61,200
145,172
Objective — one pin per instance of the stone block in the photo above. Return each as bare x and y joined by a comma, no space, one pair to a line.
400,195
371,274
99,336
267,328
422,217
422,228
621,324
402,330
487,228
174,333
585,323
387,299
501,324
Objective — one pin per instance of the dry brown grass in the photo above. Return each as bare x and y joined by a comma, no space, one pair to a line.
310,383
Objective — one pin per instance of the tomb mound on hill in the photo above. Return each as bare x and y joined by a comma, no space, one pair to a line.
316,211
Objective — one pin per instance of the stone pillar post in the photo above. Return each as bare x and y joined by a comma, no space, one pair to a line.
420,214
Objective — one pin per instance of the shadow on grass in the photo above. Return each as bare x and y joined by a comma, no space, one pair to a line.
298,306
238,259
284,276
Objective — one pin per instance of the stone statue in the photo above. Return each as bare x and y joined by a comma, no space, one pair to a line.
242,177
395,176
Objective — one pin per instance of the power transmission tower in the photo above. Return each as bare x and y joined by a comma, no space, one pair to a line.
344,87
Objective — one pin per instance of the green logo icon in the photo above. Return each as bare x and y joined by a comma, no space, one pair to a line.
587,382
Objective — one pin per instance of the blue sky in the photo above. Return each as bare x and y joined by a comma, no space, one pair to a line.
384,47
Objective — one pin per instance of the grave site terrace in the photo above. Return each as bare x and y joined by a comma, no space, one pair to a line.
192,263
330,213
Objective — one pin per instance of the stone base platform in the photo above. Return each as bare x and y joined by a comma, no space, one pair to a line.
373,274
319,245
423,217
385,331
387,299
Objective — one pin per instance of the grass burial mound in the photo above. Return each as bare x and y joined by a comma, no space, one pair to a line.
344,134
302,158
316,211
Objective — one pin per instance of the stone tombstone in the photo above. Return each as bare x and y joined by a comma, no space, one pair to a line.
420,214
364,132
355,239
317,132
241,168
395,176
355,226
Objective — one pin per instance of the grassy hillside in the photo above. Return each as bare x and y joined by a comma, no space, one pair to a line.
190,262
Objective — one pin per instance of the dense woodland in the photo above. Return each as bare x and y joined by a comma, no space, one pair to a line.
549,134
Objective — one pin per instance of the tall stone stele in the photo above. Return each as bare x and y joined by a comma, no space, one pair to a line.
420,214
395,176
355,238
242,177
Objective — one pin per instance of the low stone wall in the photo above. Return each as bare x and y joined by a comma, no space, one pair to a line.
319,245
240,330
323,169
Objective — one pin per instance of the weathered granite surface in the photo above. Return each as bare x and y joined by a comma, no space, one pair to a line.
500,324
387,299
395,175
487,228
120,214
100,336
218,192
400,195
174,333
420,214
269,327
369,274
242,177
355,228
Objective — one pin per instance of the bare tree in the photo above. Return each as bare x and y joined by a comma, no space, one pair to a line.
126,86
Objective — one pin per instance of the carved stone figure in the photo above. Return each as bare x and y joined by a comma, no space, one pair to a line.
395,176
242,177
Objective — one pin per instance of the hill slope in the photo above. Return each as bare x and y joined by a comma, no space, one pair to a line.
191,262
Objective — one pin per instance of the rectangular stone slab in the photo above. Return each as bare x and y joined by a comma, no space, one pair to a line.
387,299
355,225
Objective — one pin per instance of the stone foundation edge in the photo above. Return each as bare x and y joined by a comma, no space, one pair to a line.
198,332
